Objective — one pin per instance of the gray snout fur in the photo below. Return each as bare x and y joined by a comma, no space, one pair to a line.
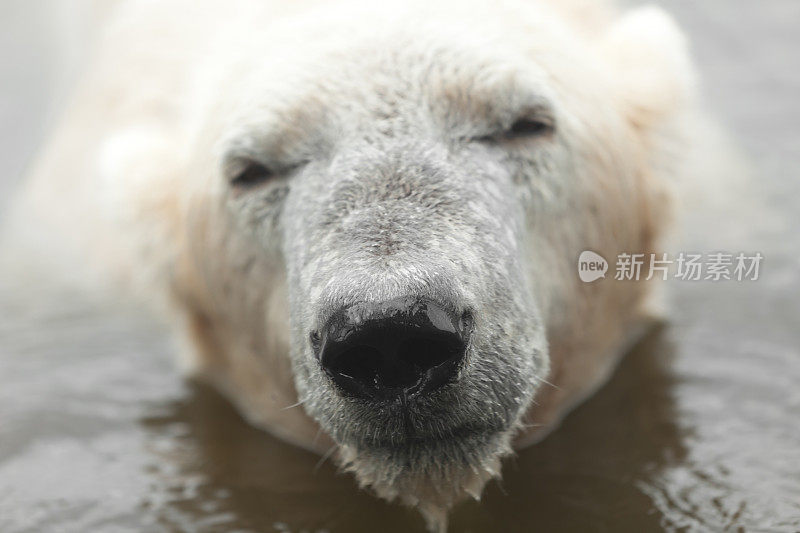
419,219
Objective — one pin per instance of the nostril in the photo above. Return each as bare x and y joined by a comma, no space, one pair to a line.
405,346
360,363
426,353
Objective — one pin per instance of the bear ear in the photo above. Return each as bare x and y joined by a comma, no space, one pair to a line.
651,69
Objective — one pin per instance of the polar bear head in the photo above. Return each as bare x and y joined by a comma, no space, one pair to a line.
384,214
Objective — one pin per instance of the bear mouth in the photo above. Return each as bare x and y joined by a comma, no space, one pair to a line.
414,440
416,424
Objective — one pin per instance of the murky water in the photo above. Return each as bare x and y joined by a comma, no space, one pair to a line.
698,430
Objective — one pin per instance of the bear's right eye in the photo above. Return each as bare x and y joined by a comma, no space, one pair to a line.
251,174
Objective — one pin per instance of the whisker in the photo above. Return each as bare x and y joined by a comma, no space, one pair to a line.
324,458
299,403
547,382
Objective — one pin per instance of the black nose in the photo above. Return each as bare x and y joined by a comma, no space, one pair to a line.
401,347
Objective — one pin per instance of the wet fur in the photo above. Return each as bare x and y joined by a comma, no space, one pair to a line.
389,184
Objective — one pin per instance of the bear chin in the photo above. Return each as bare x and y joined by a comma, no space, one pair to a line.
431,476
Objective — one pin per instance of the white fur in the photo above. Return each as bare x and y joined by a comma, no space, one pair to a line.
129,193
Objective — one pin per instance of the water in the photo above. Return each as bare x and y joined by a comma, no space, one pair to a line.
699,429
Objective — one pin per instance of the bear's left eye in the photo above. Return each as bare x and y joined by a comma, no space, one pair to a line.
252,173
529,127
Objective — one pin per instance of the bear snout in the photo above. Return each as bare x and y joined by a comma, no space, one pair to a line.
402,348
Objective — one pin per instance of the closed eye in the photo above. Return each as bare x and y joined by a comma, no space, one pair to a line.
523,128
251,174
528,127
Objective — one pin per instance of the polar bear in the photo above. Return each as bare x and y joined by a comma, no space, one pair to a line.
363,219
